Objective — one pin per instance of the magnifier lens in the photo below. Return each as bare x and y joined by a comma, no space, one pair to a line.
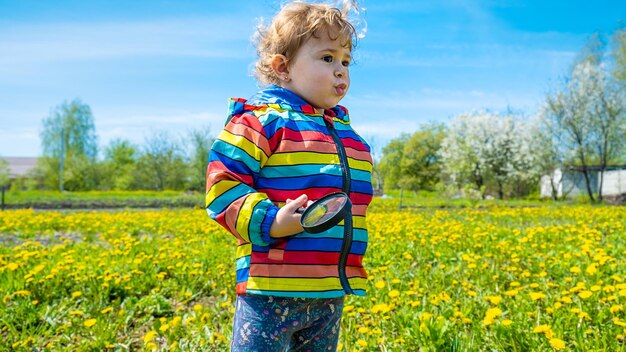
325,213
314,216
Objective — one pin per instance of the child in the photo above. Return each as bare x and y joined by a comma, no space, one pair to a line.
285,147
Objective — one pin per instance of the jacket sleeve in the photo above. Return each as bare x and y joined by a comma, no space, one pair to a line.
236,158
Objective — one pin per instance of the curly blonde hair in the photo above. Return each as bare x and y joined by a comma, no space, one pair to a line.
292,26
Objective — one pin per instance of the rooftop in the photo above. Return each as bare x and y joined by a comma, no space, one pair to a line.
20,166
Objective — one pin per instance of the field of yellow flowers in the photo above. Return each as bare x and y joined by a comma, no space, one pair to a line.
475,279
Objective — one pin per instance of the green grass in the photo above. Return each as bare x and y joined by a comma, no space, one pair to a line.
498,278
102,199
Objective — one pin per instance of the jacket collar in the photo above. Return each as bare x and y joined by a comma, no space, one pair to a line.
283,99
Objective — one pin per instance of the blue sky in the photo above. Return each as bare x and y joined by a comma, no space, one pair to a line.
145,66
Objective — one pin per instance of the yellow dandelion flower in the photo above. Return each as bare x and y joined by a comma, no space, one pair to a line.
379,284
536,295
164,327
507,322
616,308
540,329
425,316
592,269
89,323
585,294
149,336
493,312
76,294
557,344
380,308
362,343
511,293
488,321
394,293
495,300
106,310
574,270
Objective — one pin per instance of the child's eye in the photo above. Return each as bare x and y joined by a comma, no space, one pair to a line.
345,63
327,58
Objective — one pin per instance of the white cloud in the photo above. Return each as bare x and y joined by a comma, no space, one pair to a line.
133,124
19,142
444,100
190,37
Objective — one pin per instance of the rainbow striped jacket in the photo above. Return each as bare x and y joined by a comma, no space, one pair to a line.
276,147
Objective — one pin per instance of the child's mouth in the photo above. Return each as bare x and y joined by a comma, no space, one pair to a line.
341,89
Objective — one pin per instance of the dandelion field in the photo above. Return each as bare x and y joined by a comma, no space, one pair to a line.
499,278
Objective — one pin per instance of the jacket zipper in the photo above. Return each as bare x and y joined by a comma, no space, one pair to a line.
347,222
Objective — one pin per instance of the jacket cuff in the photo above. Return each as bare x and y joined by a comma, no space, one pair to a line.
266,224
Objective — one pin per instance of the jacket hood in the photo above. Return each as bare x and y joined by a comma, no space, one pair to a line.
281,99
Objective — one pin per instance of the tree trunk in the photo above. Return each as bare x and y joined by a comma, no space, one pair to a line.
555,191
588,183
601,179
586,173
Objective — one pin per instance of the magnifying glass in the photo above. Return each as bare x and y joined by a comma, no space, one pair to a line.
325,213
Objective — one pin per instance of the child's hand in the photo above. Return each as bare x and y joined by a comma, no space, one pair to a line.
287,221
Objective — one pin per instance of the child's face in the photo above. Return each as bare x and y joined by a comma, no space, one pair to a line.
319,72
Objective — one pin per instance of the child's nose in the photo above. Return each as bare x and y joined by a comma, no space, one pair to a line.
340,72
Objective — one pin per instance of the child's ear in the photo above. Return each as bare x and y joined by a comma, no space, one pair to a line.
280,65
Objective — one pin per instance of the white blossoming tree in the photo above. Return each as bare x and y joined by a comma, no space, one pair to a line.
587,117
484,148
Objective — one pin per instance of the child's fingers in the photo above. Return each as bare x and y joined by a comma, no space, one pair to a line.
297,203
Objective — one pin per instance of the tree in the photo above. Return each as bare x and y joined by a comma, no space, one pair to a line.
389,166
4,178
588,116
619,54
546,146
483,148
420,165
378,181
199,142
619,75
608,115
161,165
119,165
4,173
69,137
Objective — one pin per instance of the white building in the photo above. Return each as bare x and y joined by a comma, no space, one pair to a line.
20,166
571,182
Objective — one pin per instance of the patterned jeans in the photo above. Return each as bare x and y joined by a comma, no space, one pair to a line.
277,324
